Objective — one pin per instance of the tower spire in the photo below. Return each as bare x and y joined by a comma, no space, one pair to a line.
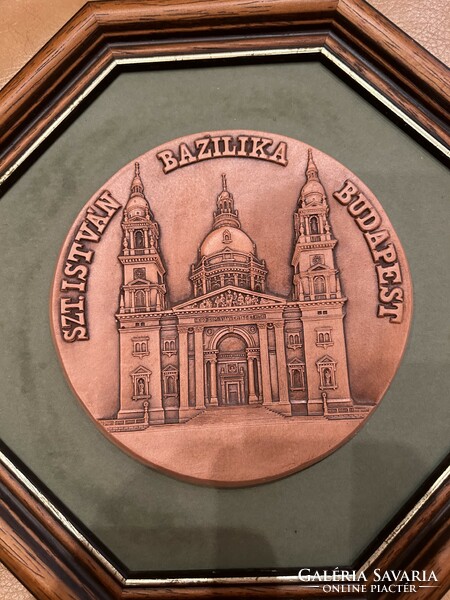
312,193
137,205
311,169
137,187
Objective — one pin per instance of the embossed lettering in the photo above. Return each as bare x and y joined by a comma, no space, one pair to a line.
347,193
202,145
76,267
86,233
168,159
280,154
207,148
107,203
185,156
259,146
384,255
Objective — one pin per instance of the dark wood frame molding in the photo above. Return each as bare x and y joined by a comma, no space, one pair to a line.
41,543
402,73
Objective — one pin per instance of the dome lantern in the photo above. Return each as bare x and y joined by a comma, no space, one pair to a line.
226,215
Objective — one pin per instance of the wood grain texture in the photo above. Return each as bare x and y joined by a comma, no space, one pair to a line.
26,26
54,565
11,587
42,553
100,32
424,544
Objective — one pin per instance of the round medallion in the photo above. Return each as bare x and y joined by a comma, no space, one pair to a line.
231,307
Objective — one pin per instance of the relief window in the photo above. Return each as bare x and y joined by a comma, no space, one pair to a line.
141,383
327,373
323,337
317,259
139,273
314,225
140,299
242,280
226,237
215,283
296,376
138,239
170,379
319,285
140,347
293,340
169,347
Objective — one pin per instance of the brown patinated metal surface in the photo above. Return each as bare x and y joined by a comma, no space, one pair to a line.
231,307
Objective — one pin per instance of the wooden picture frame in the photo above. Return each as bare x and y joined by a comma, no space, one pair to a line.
41,542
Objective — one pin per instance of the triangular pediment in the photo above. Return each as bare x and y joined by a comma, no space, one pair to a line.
326,359
296,361
141,371
170,369
318,267
138,282
230,297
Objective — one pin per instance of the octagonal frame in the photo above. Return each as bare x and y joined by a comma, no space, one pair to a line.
41,541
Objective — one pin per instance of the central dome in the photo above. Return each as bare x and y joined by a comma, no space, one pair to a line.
224,238
227,255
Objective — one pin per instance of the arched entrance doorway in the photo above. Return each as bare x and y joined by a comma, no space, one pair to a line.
232,371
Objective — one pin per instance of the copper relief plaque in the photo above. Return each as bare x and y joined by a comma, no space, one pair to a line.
231,307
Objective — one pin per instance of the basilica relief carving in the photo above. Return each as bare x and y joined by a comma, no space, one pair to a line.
236,307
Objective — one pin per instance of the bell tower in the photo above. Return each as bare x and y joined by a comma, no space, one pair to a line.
143,288
317,289
142,300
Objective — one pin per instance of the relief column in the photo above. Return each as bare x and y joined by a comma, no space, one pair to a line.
184,371
281,363
199,368
264,354
252,397
214,401
156,409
